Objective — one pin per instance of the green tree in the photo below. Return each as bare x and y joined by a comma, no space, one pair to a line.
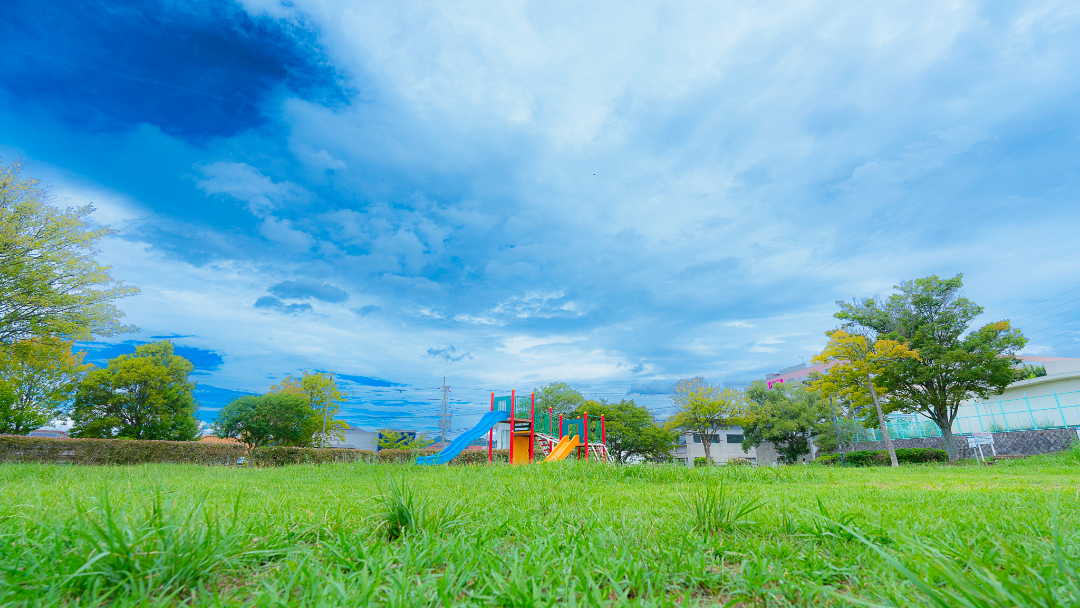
788,415
393,440
705,408
50,284
276,418
42,375
141,396
558,397
630,429
929,316
324,396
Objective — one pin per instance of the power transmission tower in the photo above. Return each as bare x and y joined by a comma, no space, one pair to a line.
444,422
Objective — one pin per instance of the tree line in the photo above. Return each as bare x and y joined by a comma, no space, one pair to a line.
914,352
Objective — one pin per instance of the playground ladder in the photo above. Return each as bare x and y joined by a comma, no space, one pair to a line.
546,443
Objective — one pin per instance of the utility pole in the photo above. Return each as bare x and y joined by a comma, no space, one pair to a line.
444,423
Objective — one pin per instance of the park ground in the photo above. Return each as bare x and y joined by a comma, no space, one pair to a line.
540,535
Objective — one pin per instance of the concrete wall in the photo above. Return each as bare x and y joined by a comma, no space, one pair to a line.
1007,444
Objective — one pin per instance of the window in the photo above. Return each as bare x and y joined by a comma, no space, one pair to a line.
697,438
734,438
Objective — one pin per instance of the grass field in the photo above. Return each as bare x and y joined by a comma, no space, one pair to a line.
565,533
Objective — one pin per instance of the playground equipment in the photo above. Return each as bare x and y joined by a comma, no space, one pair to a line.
455,447
563,448
533,435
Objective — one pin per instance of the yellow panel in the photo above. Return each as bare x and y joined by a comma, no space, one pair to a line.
521,449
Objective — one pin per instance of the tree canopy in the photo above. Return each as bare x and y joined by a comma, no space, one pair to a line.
277,418
788,415
393,440
324,397
141,396
929,315
559,397
41,375
704,408
50,284
631,429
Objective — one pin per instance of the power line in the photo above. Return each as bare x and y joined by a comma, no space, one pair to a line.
1047,310
1026,273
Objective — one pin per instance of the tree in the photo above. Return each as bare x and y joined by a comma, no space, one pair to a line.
929,316
50,284
275,418
704,408
630,429
859,361
393,440
42,375
324,396
141,396
559,398
787,415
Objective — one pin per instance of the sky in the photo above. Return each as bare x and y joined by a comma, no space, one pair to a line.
505,194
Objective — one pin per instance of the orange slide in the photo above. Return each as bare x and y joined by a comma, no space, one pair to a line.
563,448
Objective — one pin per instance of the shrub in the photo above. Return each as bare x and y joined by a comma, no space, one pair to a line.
701,461
916,455
866,458
116,451
739,462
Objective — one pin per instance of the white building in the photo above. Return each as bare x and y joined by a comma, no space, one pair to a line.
358,439
725,445
1047,401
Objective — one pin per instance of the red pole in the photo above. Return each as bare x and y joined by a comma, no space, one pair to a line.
532,425
513,398
586,436
492,428
560,426
603,433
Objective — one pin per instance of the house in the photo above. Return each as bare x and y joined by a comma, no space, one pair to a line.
50,433
357,438
216,439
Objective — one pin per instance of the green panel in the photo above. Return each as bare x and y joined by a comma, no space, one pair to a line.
502,404
574,427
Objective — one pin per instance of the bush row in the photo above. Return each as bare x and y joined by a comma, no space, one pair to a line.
130,451
866,458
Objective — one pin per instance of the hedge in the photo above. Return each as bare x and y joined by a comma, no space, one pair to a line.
15,448
866,458
116,451
276,456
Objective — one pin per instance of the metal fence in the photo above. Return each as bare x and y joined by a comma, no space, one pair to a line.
996,415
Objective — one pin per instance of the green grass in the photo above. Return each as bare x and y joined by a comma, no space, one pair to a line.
541,535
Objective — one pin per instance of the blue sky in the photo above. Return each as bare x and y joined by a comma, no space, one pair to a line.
508,194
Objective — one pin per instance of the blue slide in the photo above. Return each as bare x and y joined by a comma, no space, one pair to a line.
487,423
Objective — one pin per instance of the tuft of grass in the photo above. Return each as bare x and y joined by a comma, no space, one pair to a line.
716,508
403,511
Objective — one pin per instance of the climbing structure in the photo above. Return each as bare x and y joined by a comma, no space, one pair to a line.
534,435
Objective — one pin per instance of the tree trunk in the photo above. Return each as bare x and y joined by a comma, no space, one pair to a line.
881,421
705,444
949,441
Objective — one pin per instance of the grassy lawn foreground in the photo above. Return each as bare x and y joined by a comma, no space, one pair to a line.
567,533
